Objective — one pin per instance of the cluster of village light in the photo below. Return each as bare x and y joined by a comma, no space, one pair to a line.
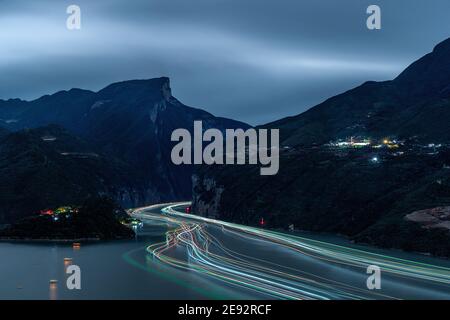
386,143
360,143
68,211
131,222
56,214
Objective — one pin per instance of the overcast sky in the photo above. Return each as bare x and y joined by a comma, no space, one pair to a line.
252,60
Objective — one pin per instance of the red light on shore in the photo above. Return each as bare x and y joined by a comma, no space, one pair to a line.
262,222
188,209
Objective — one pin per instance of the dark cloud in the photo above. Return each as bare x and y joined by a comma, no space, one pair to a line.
251,60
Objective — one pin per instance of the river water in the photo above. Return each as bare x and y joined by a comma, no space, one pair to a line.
125,270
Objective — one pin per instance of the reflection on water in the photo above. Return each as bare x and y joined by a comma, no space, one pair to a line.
27,268
53,290
67,262
124,270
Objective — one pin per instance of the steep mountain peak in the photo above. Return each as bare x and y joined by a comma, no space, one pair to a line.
135,83
443,46
145,86
429,76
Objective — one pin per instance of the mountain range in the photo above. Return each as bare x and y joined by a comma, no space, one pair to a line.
63,147
358,164
372,163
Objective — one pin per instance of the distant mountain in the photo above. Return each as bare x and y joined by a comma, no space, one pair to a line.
129,122
363,192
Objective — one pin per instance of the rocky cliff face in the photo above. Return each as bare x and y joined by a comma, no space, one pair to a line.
206,196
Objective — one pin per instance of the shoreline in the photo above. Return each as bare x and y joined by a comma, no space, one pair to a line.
53,240
343,240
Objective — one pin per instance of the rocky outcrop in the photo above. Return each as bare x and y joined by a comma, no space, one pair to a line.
438,217
206,196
